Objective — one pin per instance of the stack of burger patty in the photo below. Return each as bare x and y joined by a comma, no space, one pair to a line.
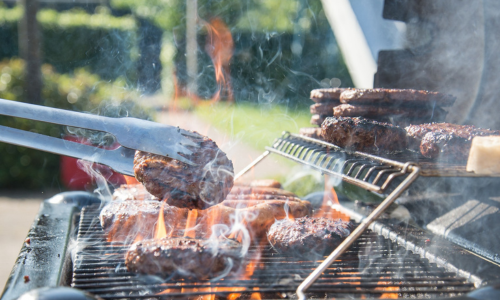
395,106
388,121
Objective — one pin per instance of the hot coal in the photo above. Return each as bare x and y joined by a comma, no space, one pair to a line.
444,140
184,258
360,134
183,185
308,237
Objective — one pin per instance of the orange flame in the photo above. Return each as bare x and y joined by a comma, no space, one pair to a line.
191,223
160,229
131,180
387,288
330,198
220,49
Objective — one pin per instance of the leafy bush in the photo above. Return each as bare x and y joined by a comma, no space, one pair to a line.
73,39
82,91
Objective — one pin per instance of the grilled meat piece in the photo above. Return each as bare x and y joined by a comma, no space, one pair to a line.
184,258
312,132
362,134
256,216
445,140
256,192
311,237
406,97
266,183
326,95
375,111
318,119
125,220
325,109
133,192
184,185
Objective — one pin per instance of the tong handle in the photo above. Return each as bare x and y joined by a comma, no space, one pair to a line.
120,160
55,115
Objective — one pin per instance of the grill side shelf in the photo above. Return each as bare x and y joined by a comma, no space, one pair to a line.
42,260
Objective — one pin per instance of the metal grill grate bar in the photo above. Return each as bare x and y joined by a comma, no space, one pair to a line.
371,267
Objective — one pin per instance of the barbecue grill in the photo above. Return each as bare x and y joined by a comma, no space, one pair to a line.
391,259
456,255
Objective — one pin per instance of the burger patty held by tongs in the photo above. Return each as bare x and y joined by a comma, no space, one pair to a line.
196,186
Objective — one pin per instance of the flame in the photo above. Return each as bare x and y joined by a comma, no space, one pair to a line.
330,198
220,49
131,180
191,223
138,238
160,229
255,296
387,288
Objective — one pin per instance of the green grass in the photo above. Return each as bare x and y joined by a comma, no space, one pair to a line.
256,125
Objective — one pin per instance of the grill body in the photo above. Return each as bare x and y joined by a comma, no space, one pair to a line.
67,247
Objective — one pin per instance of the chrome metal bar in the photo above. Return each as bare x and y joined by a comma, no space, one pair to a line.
360,183
252,164
120,159
353,153
359,230
132,133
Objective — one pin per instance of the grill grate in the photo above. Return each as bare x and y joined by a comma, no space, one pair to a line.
372,267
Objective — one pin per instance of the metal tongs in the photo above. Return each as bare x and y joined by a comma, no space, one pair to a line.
131,133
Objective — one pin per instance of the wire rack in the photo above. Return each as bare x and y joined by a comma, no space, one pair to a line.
370,172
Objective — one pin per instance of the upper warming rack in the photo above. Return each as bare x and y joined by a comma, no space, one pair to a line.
367,171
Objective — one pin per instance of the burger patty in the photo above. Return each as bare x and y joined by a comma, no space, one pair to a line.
360,134
132,192
312,132
370,111
308,236
126,220
398,97
318,119
445,140
184,258
183,185
326,95
325,109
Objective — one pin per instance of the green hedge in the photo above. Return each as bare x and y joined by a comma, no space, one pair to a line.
82,91
104,44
